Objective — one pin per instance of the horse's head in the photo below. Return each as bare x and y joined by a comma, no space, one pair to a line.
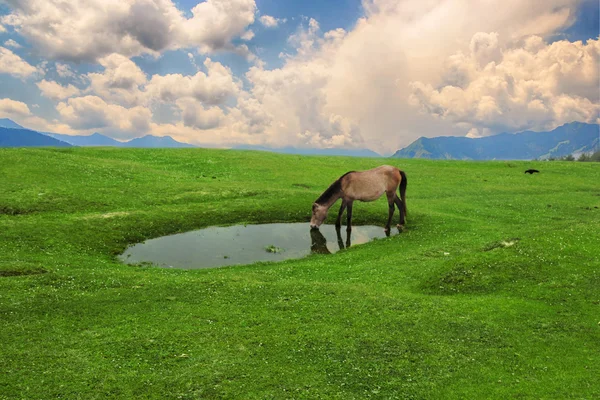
319,213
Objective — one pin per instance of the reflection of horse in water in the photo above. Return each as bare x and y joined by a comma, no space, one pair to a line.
363,186
318,243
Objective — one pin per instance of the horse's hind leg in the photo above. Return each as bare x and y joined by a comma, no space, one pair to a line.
401,208
391,200
338,221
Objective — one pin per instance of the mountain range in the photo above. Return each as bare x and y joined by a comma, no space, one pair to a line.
14,135
313,152
150,141
156,141
8,123
571,138
94,139
97,139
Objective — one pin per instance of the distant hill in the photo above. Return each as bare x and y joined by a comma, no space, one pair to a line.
9,123
95,139
567,139
25,138
98,139
321,152
155,141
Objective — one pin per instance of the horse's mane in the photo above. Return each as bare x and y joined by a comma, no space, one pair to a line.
333,189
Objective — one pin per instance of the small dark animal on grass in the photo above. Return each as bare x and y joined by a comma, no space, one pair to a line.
363,186
531,171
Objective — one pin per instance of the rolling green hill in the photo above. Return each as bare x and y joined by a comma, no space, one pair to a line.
491,292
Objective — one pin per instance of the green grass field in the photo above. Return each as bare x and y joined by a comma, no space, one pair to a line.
443,310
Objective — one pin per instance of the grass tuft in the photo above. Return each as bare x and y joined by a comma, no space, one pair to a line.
273,249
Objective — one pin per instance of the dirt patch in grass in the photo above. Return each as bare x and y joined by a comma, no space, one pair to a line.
9,271
501,244
436,253
301,185
10,210
107,215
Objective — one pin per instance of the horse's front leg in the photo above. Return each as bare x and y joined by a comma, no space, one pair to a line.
339,238
391,208
338,222
349,216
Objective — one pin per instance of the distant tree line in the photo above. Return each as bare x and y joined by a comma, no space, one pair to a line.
585,157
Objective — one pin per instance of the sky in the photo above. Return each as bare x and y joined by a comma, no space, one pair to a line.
374,74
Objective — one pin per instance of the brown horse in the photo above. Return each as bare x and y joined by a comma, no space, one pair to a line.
363,186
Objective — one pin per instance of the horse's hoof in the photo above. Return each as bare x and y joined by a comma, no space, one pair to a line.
400,227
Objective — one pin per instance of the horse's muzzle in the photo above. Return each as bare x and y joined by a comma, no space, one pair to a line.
313,227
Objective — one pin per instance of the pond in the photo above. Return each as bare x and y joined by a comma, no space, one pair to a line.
246,244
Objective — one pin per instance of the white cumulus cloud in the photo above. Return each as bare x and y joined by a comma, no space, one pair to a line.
216,22
365,76
120,100
271,22
538,85
10,108
196,116
56,91
248,35
12,43
292,101
405,69
64,71
12,64
120,81
86,30
91,112
212,88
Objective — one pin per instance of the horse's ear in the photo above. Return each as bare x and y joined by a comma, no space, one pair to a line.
314,207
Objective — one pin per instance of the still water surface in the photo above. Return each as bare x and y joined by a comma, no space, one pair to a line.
239,244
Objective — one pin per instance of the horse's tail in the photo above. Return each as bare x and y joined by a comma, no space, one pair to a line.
402,190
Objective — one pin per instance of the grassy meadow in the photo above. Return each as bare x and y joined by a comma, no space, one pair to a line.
492,291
